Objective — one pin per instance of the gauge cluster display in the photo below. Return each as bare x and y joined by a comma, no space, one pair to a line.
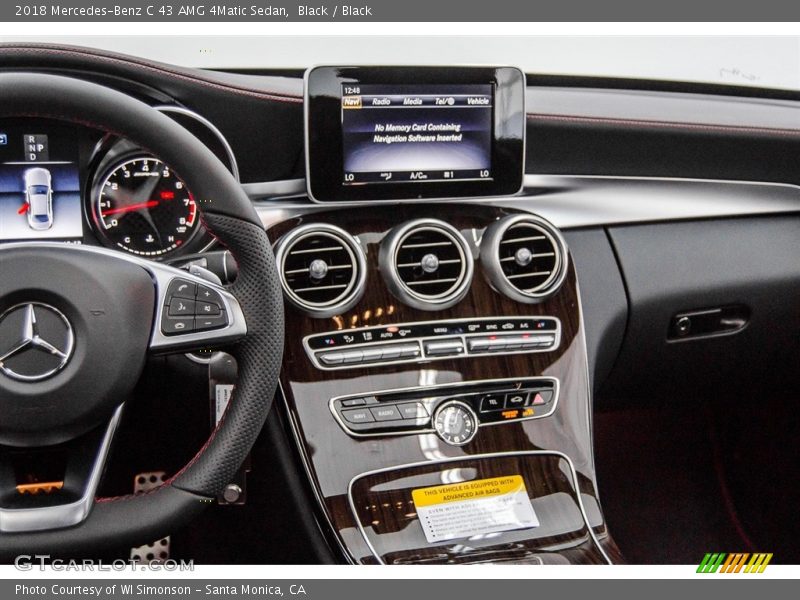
67,183
40,192
142,207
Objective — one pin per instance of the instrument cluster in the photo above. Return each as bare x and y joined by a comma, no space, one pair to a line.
61,182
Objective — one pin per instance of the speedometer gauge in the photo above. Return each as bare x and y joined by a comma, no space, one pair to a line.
142,207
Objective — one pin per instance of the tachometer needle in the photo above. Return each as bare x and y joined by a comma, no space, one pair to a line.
23,209
129,208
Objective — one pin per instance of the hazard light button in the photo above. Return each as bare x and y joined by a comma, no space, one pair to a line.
537,398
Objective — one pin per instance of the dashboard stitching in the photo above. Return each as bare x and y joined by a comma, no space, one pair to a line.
44,49
665,124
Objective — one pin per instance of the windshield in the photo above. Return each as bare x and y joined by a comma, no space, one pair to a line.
759,61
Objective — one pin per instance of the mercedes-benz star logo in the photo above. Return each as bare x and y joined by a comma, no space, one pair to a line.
36,341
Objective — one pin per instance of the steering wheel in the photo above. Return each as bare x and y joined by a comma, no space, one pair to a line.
67,309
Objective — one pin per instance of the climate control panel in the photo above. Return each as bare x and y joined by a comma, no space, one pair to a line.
453,411
435,340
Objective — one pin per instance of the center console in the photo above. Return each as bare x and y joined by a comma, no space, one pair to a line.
393,394
435,371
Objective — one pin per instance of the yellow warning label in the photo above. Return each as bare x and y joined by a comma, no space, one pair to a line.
468,490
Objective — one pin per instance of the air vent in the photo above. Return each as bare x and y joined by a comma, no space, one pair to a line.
427,264
322,269
524,257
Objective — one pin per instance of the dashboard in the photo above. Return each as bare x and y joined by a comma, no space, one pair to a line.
472,260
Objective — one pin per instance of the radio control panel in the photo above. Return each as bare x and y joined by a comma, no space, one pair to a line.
435,340
453,411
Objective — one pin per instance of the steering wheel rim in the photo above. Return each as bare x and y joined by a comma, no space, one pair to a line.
229,216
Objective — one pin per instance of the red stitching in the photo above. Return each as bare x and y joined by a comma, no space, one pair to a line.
665,124
171,480
150,66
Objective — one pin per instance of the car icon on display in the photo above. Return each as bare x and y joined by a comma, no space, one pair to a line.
39,197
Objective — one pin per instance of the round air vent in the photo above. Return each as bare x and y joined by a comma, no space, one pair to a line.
322,269
426,263
524,257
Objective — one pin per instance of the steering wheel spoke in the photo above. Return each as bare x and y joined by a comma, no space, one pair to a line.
64,502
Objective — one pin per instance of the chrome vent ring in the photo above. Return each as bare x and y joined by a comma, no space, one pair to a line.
524,257
322,268
427,264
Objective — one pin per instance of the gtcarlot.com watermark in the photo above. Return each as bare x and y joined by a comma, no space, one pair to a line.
43,562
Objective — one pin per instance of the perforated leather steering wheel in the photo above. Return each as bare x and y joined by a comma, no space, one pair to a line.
91,305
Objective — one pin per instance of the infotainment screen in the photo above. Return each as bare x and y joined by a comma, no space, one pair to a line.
406,133
419,133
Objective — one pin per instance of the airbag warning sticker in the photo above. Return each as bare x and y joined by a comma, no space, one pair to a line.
462,510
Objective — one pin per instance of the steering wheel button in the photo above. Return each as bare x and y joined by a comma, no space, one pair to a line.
180,307
206,309
177,326
205,323
181,288
206,294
